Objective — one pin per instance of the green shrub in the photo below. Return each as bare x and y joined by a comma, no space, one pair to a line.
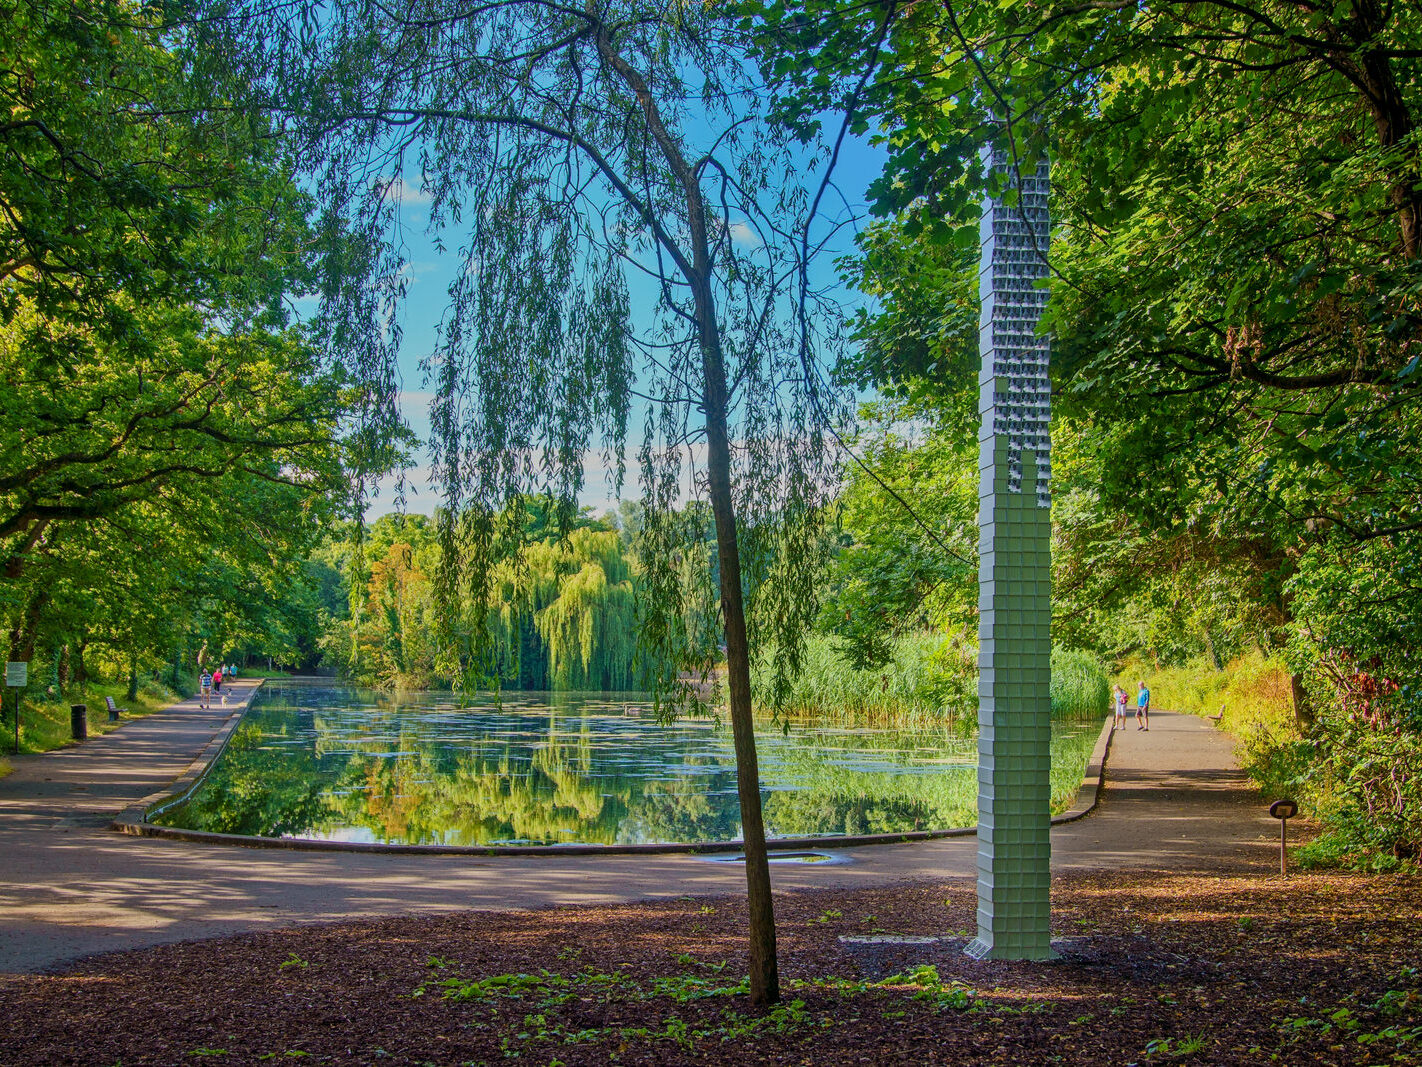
1348,849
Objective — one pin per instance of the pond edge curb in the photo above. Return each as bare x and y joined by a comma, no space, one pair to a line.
133,821
136,814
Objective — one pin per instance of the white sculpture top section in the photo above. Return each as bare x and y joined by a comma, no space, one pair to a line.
1014,381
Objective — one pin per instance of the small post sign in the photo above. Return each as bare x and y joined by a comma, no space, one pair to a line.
1283,810
17,676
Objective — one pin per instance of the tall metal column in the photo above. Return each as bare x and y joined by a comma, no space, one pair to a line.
1014,579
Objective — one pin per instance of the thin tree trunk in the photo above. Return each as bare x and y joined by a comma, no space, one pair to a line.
1303,709
1210,647
764,969
22,637
81,669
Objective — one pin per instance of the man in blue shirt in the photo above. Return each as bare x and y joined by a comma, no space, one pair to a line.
1143,708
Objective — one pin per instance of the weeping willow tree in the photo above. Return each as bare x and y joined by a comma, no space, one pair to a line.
568,605
566,149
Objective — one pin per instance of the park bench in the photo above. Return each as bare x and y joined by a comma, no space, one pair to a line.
114,710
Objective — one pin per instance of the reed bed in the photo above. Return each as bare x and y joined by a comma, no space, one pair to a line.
929,679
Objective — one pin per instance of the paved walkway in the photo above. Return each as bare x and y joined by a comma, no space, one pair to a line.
69,887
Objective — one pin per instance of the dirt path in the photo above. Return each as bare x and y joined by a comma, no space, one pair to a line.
69,887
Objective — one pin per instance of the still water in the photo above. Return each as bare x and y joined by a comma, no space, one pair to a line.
556,768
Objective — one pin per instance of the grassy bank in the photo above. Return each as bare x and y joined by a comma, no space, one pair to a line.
1252,690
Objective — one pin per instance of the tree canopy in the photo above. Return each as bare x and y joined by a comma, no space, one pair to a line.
171,437
1234,304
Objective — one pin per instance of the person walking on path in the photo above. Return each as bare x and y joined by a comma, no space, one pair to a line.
1118,698
1143,708
205,690
217,681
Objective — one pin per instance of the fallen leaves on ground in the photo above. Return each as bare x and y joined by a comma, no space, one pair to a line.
1155,968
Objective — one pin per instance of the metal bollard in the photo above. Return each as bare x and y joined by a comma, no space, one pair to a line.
79,721
1283,810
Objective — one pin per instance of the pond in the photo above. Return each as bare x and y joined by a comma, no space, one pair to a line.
560,768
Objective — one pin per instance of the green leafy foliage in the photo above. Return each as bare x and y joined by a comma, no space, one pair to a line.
1234,302
171,442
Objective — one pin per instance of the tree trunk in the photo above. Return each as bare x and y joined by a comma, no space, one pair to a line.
764,970
132,675
1303,708
15,565
22,636
1370,68
81,669
1210,648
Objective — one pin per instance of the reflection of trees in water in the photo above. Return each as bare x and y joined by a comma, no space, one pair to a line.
700,808
562,779
257,789
494,790
811,795
816,812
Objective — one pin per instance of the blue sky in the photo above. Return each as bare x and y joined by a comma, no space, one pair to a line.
430,271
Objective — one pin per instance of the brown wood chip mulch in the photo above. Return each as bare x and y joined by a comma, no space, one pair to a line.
1156,968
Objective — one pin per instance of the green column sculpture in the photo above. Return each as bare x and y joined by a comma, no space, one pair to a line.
1014,579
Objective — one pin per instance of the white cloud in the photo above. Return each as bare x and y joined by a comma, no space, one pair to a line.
744,234
399,190
415,269
415,400
422,497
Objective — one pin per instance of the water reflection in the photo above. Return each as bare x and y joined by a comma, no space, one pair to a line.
541,768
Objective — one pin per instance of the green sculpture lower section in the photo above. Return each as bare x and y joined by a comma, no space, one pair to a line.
1014,713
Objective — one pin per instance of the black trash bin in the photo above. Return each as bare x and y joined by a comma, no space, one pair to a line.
79,721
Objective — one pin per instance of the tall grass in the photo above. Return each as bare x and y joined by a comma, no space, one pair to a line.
930,678
1080,689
